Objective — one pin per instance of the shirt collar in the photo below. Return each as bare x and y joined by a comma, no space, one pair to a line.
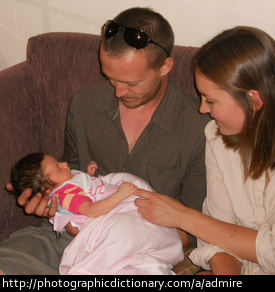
168,111
165,116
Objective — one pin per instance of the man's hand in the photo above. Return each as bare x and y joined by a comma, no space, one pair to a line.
38,205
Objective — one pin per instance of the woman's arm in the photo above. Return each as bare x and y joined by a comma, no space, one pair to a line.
104,206
166,211
237,240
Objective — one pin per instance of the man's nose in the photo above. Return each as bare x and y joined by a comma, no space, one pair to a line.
121,89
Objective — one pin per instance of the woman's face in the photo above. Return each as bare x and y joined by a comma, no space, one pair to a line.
228,114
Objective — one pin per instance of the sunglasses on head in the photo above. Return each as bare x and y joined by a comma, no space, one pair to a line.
135,38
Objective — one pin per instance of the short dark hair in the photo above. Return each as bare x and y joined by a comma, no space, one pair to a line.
153,24
27,173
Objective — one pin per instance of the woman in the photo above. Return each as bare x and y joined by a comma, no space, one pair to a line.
235,74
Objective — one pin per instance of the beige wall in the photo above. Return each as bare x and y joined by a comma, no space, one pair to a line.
194,21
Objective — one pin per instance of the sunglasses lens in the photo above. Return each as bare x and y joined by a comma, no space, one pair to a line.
111,29
135,38
132,36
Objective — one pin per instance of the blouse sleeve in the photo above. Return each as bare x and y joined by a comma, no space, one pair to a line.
265,242
216,204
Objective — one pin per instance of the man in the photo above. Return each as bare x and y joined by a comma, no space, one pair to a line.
138,122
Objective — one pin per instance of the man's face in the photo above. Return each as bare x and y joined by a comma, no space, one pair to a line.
134,83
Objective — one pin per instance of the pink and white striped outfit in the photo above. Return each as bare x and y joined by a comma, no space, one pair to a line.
82,187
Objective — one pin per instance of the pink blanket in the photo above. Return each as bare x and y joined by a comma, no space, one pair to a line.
122,242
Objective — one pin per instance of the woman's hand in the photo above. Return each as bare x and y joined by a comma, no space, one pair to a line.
160,209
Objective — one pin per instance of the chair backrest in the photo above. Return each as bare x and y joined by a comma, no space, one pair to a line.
183,71
59,64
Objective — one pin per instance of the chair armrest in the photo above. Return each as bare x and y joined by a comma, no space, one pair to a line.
18,135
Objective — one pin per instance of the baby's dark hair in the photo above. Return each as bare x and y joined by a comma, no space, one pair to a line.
28,174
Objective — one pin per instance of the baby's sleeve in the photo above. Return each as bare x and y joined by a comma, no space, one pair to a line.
71,196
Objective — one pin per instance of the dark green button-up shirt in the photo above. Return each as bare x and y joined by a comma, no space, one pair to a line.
169,153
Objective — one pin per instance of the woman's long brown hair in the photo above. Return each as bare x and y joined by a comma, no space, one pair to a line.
239,60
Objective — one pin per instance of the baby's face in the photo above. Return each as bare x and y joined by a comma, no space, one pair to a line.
54,171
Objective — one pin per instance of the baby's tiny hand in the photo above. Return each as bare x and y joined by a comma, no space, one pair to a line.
91,168
127,189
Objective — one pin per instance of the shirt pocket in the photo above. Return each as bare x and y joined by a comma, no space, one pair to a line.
165,181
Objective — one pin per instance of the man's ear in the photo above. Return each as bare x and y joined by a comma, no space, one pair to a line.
167,66
255,99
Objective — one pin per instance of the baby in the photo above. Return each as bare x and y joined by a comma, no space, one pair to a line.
77,192
120,241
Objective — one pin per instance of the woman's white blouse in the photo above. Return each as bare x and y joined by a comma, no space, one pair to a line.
245,203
